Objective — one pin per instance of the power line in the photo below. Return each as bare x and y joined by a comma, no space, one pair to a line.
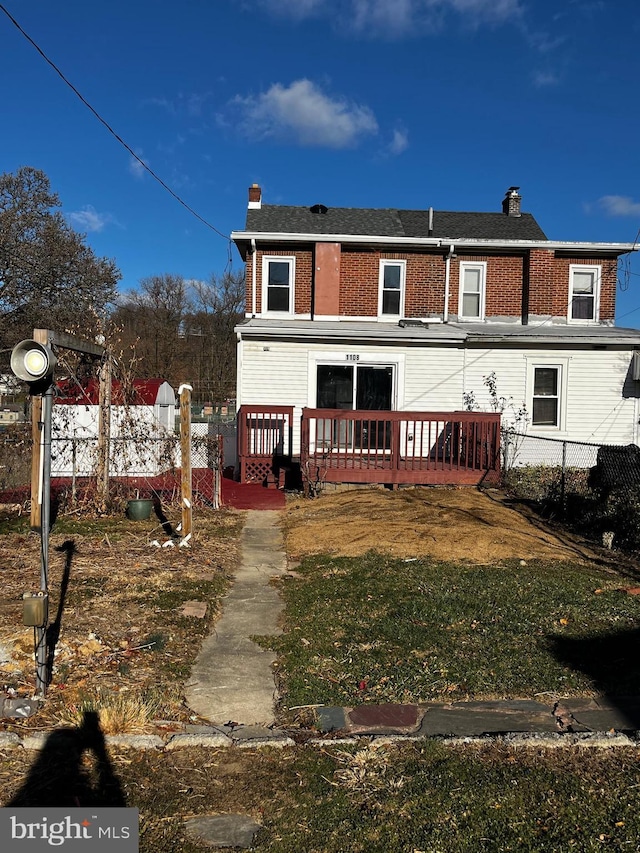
111,130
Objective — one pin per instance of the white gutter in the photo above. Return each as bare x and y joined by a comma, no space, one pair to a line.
239,368
254,296
447,273
556,245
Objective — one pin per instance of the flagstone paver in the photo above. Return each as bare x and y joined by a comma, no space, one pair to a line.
224,830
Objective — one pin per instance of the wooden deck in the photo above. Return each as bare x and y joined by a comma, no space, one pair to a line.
343,446
400,447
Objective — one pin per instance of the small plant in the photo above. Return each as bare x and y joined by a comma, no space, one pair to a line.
314,473
365,773
513,422
118,713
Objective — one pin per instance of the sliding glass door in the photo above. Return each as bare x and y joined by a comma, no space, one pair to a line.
360,387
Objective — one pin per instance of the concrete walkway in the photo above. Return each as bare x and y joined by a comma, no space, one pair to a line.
232,679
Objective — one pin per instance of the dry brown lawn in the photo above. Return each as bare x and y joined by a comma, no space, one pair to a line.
443,523
116,602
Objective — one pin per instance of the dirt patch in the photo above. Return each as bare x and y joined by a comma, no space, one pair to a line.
117,618
444,523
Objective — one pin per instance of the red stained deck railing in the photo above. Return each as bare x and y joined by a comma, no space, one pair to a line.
341,446
265,440
400,447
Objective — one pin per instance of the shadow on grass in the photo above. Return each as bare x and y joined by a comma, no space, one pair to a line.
611,661
72,769
68,548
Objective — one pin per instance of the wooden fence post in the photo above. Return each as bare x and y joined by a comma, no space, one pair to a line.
185,451
104,431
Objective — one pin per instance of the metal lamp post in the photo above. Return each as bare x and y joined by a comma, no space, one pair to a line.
34,362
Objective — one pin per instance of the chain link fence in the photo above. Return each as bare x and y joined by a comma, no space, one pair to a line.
593,487
139,465
15,463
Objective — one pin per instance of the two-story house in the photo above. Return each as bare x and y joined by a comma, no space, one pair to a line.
351,312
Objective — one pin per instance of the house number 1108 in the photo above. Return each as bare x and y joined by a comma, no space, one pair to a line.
353,357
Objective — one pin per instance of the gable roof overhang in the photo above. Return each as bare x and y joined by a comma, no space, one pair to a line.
452,334
550,334
348,331
245,239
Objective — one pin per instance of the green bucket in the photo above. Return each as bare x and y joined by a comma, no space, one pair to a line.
139,509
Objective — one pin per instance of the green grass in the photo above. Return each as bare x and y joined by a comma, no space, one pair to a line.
382,630
404,798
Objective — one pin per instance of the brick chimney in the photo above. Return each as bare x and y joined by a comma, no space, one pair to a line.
511,203
255,197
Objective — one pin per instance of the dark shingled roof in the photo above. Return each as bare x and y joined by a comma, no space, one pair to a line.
388,222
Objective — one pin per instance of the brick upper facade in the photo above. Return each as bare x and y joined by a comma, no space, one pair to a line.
520,277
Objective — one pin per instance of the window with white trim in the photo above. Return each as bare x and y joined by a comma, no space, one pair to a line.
391,289
473,277
278,275
584,293
545,408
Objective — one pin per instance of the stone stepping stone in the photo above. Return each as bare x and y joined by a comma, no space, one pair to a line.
223,830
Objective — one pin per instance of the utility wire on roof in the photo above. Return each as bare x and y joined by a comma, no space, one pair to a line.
109,128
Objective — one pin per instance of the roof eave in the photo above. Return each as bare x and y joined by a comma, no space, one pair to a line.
245,237
344,332
589,339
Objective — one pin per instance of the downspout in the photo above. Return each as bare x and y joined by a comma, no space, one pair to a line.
254,278
447,274
239,366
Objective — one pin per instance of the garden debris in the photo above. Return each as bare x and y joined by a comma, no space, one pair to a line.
120,623
17,706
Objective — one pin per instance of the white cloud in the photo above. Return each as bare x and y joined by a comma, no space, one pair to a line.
294,8
163,103
89,220
542,41
136,167
397,17
304,114
482,10
190,104
399,141
619,205
544,78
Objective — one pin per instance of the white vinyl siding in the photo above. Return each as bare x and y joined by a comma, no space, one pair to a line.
435,378
593,407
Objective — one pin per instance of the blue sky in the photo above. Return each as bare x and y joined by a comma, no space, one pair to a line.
357,103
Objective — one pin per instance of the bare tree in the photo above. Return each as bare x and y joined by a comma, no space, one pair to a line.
183,330
152,318
217,307
49,277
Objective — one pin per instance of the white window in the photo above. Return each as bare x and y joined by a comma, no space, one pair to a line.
545,408
471,301
278,276
584,293
391,290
